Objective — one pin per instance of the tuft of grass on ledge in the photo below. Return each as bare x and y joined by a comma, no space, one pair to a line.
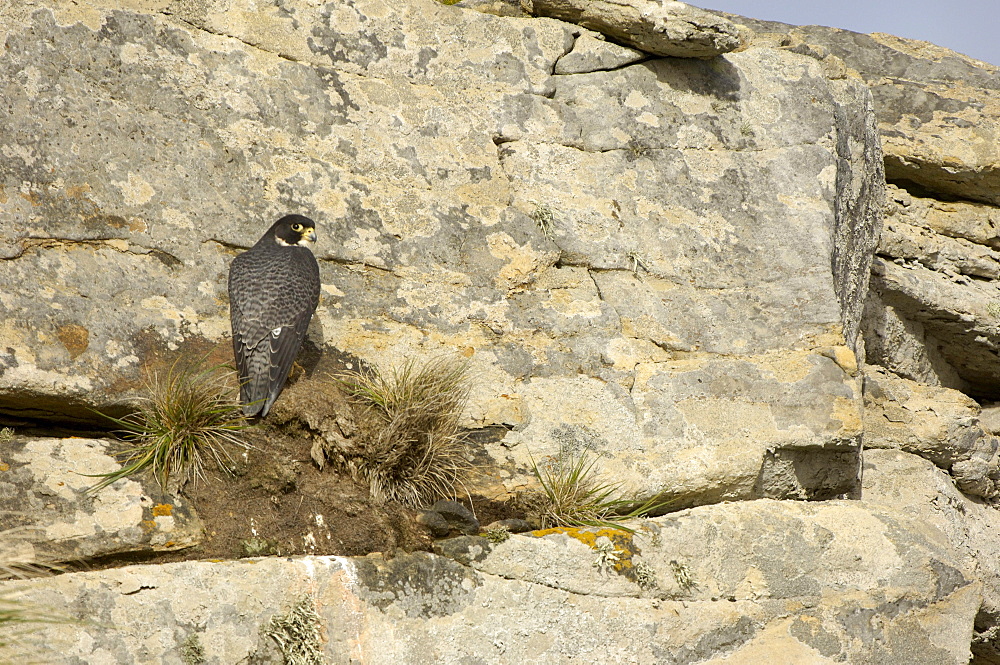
573,495
189,416
413,448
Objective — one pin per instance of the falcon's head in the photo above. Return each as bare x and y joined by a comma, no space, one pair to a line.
294,230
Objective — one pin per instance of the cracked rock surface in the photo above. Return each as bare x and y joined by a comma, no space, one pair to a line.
715,590
52,519
661,261
592,241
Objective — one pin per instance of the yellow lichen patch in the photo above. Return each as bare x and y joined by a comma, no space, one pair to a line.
524,263
4,466
784,366
75,338
135,190
849,413
623,541
163,509
844,357
148,525
77,191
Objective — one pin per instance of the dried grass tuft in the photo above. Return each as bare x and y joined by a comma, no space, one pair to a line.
413,450
573,495
189,417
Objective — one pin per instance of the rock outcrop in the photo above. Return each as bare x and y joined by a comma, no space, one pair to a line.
932,313
733,583
44,494
677,265
659,28
635,273
937,109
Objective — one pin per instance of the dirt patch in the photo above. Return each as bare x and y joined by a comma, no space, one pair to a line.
279,503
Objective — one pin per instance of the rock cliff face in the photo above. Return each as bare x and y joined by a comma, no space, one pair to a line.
676,264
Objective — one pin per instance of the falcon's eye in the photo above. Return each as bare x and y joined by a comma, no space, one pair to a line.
297,227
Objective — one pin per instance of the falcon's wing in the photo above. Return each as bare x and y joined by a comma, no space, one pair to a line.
270,312
282,346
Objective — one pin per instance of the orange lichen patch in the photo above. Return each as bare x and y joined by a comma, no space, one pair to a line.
625,546
31,197
4,466
163,509
77,191
75,338
148,525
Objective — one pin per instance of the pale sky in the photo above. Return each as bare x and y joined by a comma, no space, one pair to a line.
966,26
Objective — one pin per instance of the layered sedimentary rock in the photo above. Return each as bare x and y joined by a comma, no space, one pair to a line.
664,262
733,583
636,261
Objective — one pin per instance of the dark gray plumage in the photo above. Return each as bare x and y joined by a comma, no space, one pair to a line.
273,292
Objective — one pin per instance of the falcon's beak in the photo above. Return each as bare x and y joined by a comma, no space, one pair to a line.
312,237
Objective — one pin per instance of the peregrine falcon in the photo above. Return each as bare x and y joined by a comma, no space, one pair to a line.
273,292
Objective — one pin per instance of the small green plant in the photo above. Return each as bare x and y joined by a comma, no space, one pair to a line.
545,218
6,435
682,575
192,652
746,129
497,534
298,634
189,415
645,575
637,262
573,495
256,546
993,309
607,554
413,449
17,621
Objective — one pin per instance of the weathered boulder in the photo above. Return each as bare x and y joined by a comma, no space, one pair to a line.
817,583
938,424
933,306
43,494
590,250
659,27
591,54
938,110
894,480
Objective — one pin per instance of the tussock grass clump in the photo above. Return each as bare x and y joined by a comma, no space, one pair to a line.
189,416
412,449
573,495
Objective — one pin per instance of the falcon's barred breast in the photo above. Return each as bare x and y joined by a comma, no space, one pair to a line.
273,292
